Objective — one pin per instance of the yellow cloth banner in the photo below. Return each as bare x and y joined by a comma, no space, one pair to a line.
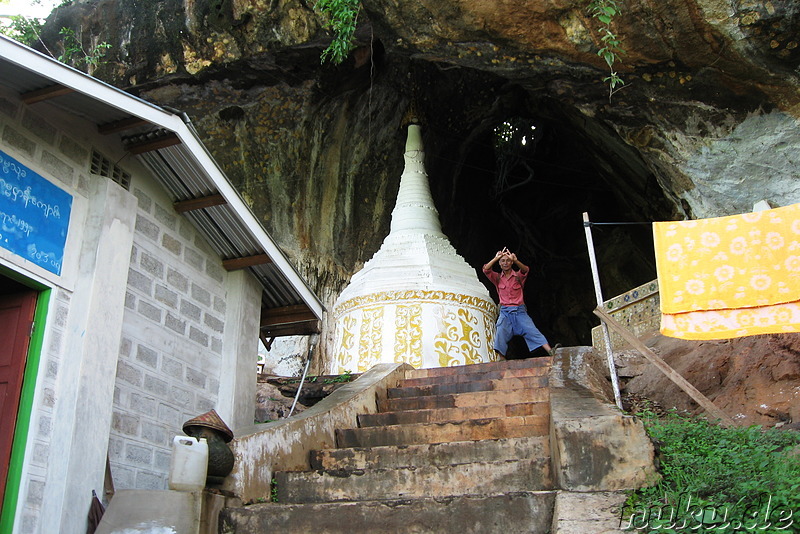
730,276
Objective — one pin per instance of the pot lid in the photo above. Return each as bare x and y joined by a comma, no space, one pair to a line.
210,420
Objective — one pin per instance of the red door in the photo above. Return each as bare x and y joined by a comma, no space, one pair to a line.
16,318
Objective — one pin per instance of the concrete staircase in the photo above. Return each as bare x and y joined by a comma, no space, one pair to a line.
452,450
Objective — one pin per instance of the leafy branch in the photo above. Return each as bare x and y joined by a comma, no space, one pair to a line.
23,29
604,12
27,30
339,16
76,55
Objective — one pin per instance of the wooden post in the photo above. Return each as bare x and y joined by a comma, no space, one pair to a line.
612,369
671,373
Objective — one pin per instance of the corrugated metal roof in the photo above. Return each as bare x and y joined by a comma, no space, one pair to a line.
185,168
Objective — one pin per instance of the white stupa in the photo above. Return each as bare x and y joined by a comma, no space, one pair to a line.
416,301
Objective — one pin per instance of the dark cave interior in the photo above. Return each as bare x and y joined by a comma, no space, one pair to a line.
530,197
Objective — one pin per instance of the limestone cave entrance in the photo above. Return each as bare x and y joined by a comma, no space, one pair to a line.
510,169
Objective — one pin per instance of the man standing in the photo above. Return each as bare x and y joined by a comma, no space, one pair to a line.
514,318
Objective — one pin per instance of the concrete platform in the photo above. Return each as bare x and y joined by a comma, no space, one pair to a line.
496,374
493,428
480,367
468,386
152,512
477,478
440,415
588,513
457,452
473,399
517,513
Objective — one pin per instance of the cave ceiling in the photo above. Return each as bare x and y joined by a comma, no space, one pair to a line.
705,124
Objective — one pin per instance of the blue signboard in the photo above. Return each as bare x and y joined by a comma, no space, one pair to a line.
34,215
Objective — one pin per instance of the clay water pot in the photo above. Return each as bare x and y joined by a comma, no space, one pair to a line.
217,435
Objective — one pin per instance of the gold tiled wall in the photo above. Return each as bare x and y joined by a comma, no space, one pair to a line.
638,310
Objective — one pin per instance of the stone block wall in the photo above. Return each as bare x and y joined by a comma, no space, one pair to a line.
41,441
638,309
171,349
56,149
174,303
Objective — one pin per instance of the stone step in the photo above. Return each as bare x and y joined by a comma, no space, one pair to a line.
475,429
456,452
480,367
477,399
517,513
476,478
496,374
440,415
468,387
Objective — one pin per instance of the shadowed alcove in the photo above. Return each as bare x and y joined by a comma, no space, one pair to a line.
511,168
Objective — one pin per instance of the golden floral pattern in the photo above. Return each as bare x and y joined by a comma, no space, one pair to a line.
408,335
345,344
370,338
419,295
730,276
458,341
405,326
489,328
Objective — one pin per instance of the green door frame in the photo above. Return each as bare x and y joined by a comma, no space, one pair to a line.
14,479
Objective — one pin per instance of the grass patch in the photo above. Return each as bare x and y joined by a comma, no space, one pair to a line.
717,479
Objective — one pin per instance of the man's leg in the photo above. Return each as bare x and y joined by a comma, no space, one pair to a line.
502,336
533,337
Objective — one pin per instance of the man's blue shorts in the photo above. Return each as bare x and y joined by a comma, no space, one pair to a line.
515,321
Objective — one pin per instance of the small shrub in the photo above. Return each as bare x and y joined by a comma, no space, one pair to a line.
76,55
273,492
604,11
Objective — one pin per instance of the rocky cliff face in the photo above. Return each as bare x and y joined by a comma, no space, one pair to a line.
705,124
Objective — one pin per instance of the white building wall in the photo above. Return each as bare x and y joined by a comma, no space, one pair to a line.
136,340
71,412
172,341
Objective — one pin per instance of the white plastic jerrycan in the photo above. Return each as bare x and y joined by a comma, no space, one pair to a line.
189,464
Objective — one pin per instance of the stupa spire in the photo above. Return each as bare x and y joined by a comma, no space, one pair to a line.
416,300
415,210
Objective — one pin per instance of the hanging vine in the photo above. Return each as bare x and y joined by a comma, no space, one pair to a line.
604,11
339,16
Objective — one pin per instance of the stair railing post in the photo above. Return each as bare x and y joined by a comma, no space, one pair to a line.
612,369
303,378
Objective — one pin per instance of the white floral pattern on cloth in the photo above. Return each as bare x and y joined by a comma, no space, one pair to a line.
730,276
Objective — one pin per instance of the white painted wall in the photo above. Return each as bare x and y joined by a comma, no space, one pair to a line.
145,328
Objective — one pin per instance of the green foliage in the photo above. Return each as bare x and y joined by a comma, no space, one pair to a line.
76,55
718,479
273,491
347,376
604,11
23,29
339,16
